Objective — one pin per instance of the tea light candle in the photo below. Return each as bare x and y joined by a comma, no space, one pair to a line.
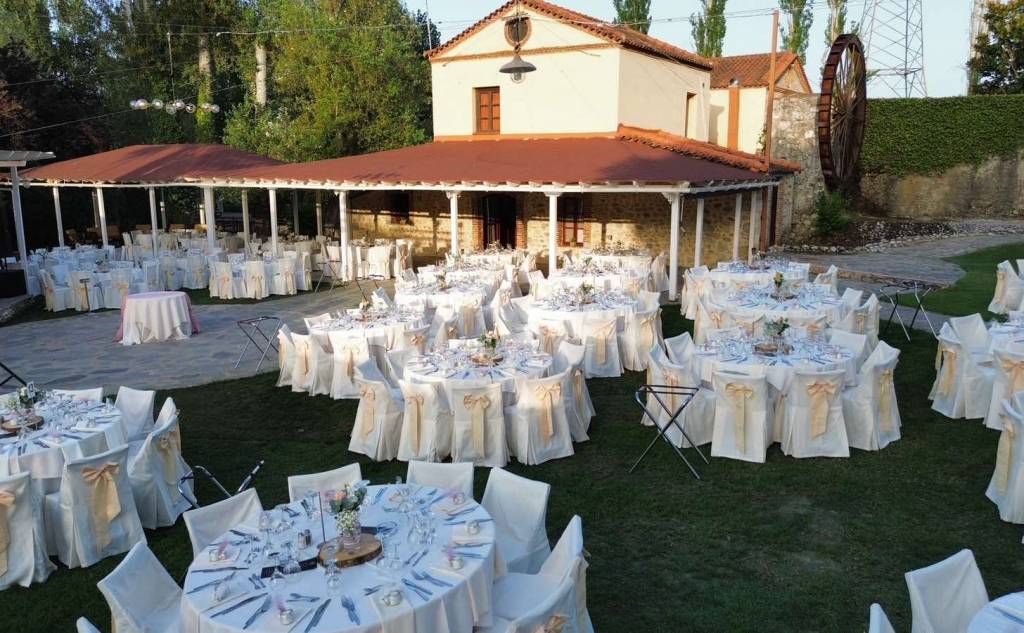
286,616
455,562
392,597
472,526
459,498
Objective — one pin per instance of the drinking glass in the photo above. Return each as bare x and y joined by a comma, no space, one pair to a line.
333,579
313,501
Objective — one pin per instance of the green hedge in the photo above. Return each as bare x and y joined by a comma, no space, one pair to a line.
922,136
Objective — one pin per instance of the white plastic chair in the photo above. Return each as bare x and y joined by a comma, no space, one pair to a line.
23,560
348,353
539,423
378,424
299,485
643,331
812,421
1006,488
877,620
93,514
601,348
945,596
870,409
519,508
92,395
209,522
478,425
154,472
142,596
285,356
743,420
426,433
136,407
442,476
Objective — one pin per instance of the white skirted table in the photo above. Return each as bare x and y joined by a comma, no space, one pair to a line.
1002,615
156,316
739,357
805,304
454,369
582,317
458,600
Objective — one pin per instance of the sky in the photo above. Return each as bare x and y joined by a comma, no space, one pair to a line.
946,30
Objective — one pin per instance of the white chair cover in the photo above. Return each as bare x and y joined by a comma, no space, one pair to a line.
285,356
283,281
698,417
870,409
136,407
550,335
580,409
973,335
812,420
209,522
378,425
1007,379
963,387
168,411
478,425
414,338
23,558
311,371
154,472
426,433
945,596
708,317
93,514
1006,488
442,476
299,485
1009,289
829,278
256,283
680,348
695,281
169,273
643,331
857,344
142,596
851,298
519,508
381,298
743,420
878,622
93,395
601,342
539,423
83,625
348,353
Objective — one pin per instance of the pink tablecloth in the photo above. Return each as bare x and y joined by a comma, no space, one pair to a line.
156,316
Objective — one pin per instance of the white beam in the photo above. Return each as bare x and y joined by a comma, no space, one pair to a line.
295,211
676,201
698,235
58,215
245,217
319,214
343,234
163,211
273,220
19,222
736,228
152,219
453,213
755,218
103,216
211,220
552,233
202,213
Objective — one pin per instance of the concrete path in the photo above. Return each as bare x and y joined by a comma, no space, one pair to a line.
77,351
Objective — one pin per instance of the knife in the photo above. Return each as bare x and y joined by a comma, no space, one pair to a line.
240,604
318,614
263,609
215,569
210,584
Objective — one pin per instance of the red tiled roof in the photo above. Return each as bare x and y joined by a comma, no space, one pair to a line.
752,70
622,35
151,164
701,149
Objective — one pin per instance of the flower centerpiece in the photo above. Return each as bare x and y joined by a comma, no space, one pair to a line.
345,504
584,294
774,330
364,310
488,348
781,290
442,280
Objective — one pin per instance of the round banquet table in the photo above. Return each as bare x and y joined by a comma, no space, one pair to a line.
755,304
629,262
156,316
74,429
494,258
458,608
1003,334
483,275
1002,615
603,280
382,331
779,370
431,296
745,276
605,308
453,370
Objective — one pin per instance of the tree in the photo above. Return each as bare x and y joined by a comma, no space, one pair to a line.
796,34
836,21
997,66
636,14
709,28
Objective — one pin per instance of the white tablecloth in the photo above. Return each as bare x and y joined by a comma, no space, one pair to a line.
778,369
628,261
156,316
755,304
457,295
452,370
603,280
456,609
482,274
581,316
382,332
494,258
993,620
742,275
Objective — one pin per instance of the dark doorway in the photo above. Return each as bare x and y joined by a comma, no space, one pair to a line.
499,211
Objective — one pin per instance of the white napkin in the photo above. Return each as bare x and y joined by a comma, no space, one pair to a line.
203,599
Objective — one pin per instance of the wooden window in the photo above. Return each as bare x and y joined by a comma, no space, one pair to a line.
571,228
399,203
488,110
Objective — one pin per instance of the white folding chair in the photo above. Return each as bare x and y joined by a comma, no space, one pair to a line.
378,424
812,420
299,485
136,407
519,508
426,433
539,423
207,523
946,595
478,425
743,420
23,558
442,476
348,352
870,409
142,596
1006,488
93,514
154,472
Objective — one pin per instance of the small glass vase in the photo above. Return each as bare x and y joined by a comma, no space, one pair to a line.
349,529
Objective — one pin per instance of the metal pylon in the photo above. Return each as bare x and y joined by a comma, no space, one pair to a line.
893,36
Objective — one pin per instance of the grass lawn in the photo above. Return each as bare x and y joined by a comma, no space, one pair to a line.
973,292
790,545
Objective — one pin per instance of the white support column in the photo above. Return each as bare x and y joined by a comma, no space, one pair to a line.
552,233
211,220
273,220
58,215
163,211
202,213
245,217
319,213
152,219
736,228
676,200
453,218
698,235
755,218
346,268
103,215
295,211
19,222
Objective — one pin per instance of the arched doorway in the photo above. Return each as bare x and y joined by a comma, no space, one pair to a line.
499,211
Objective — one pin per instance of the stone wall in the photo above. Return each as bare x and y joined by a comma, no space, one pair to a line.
794,138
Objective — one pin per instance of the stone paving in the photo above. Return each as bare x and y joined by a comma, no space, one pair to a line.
77,351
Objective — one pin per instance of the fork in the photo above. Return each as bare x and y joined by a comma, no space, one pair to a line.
369,591
351,608
422,576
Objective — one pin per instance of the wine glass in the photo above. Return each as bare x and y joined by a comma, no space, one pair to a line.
333,578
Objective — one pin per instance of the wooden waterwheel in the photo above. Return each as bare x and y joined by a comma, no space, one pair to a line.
841,107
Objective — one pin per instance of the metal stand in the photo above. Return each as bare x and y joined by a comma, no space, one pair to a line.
919,289
336,271
253,328
684,393
10,376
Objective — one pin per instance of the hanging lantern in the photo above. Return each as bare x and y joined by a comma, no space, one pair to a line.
517,67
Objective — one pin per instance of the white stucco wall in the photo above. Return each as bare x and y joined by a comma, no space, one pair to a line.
652,94
751,121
